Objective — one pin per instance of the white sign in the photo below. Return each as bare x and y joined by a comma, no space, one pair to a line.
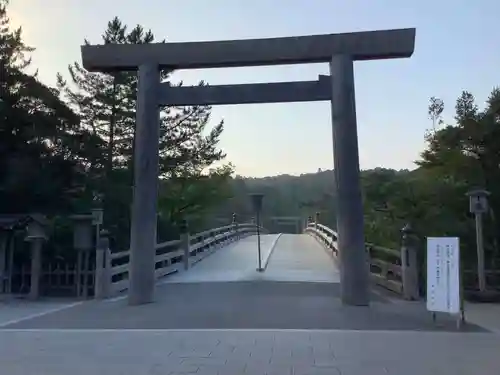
443,274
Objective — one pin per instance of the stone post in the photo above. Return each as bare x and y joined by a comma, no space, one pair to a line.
354,275
36,236
82,242
409,264
184,237
36,267
102,266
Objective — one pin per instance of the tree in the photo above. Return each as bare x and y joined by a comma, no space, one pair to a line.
435,111
40,137
467,155
106,104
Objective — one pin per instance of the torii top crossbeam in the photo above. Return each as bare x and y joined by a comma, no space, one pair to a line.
366,45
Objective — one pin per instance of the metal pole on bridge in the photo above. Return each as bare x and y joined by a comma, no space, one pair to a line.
257,205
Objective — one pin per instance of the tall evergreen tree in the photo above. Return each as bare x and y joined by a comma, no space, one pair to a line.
40,138
106,104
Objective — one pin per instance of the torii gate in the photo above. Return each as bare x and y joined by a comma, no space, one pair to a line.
339,50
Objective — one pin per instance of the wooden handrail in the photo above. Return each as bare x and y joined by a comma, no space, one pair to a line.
170,254
383,272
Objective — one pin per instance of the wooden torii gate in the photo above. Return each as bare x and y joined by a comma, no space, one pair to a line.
338,50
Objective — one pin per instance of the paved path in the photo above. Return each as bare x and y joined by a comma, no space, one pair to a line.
301,258
287,257
236,262
213,352
484,314
13,310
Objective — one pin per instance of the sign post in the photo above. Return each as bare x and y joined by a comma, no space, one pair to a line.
478,205
443,277
257,206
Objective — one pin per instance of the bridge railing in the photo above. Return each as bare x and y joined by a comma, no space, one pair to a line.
388,269
171,256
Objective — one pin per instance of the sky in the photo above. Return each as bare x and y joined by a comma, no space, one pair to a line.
456,49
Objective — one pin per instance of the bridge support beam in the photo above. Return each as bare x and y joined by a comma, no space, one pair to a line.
146,168
354,270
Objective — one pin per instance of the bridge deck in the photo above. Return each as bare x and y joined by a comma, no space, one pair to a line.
235,262
301,258
289,257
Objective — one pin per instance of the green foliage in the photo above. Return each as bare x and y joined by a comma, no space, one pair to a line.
65,150
40,137
106,105
458,158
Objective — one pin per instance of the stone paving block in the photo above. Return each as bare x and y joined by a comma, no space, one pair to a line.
359,369
222,350
230,367
313,370
204,361
268,369
263,357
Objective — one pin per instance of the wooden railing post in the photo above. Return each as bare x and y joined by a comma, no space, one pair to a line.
235,228
409,265
184,237
102,282
316,220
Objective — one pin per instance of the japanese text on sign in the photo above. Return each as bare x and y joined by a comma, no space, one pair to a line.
443,274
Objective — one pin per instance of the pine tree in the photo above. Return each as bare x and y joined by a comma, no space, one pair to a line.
106,103
40,138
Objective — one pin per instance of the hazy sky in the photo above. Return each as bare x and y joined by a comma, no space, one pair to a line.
456,48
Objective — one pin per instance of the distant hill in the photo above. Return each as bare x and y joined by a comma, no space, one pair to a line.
286,195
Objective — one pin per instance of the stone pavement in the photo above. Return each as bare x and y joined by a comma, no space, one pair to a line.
484,314
242,305
260,352
14,309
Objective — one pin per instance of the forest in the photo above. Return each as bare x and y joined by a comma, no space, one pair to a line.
68,149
